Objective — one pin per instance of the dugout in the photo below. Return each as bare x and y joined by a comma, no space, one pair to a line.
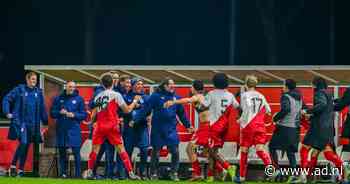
53,77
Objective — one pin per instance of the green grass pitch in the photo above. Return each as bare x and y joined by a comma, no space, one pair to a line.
6,180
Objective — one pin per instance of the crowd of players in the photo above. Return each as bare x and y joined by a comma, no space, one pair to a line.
124,117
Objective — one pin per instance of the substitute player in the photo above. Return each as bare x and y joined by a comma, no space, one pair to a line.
254,107
107,124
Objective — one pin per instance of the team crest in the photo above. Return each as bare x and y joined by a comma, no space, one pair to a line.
36,95
74,102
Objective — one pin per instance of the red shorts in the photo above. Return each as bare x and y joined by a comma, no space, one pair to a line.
201,136
217,133
253,134
111,133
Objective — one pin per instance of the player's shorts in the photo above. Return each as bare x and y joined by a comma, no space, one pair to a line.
217,132
201,136
253,134
111,133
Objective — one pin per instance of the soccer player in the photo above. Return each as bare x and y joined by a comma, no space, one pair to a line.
164,123
220,103
201,136
107,124
106,148
286,134
252,128
320,136
69,110
24,106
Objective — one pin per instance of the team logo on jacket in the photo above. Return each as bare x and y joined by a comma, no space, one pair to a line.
74,102
25,94
61,101
162,97
36,95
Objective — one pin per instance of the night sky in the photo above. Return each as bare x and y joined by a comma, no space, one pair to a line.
158,32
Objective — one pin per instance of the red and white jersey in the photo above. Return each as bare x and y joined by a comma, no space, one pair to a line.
254,106
108,103
218,100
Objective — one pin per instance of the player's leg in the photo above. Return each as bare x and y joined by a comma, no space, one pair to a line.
93,156
99,157
304,154
22,159
154,162
313,161
77,161
98,139
126,161
143,161
263,154
13,167
231,169
304,163
175,163
274,156
243,163
192,156
63,161
210,173
332,156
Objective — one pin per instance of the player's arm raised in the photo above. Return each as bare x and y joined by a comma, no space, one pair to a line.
128,108
192,99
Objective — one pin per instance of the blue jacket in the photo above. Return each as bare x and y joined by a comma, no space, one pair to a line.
163,119
138,134
68,130
28,110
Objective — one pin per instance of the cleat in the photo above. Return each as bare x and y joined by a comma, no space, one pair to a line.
196,178
133,176
292,179
210,179
232,171
89,175
154,177
239,179
301,179
223,175
174,177
20,174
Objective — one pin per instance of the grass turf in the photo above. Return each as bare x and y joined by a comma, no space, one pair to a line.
7,180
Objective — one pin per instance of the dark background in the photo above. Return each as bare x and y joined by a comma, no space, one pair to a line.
158,32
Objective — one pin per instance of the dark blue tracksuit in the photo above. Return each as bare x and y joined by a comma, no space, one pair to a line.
164,123
119,163
28,110
68,132
106,147
136,136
